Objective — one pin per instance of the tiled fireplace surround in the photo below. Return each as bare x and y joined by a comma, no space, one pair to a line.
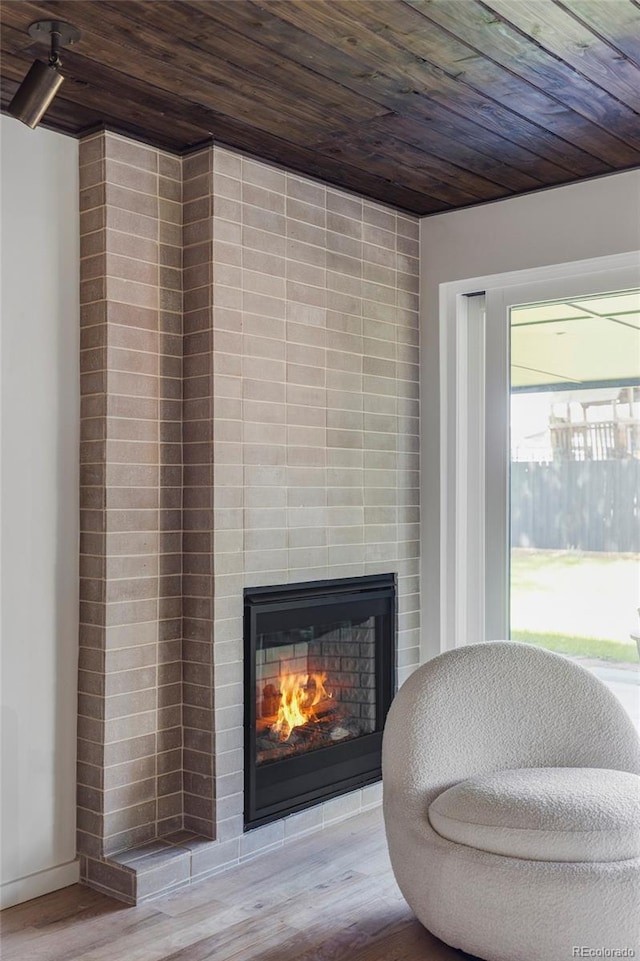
249,376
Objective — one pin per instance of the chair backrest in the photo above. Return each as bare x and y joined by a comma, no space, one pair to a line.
499,705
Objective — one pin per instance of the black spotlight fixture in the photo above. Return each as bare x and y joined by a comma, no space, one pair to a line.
43,81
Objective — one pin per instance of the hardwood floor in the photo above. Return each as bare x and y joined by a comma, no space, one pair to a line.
328,897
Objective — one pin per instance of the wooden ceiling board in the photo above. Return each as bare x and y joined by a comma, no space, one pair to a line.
488,177
398,135
398,159
409,102
617,22
157,132
468,47
563,36
459,101
197,80
110,97
427,105
403,28
263,66
492,180
405,49
486,31
103,80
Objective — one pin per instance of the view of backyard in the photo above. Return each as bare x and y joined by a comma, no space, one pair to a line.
573,602
575,484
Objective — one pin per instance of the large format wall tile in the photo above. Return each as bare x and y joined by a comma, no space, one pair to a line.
130,702
249,374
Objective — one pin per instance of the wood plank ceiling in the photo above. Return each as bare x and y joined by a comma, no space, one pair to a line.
427,105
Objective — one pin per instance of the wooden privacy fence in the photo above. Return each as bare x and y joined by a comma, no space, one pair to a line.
582,505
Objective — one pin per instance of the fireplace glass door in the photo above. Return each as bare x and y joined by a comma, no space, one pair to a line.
319,669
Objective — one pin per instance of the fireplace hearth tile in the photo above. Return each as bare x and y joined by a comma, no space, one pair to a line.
371,796
260,839
129,857
303,823
162,873
230,827
208,858
341,807
110,877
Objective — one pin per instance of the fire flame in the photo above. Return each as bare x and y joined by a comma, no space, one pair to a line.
299,694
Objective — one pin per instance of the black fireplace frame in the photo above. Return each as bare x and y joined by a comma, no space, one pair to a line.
348,765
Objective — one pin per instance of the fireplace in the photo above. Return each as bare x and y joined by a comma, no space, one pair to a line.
319,678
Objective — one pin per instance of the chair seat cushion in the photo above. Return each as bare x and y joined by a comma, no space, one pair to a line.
544,814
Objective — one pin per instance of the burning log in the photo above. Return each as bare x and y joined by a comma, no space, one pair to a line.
302,716
326,708
270,701
299,695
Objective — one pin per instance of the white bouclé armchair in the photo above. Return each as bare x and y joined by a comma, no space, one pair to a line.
512,805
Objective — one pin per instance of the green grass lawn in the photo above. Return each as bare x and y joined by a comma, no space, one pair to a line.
585,646
576,603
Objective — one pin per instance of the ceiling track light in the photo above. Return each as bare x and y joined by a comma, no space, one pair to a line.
41,84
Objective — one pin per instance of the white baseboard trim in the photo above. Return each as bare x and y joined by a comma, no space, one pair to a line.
42,882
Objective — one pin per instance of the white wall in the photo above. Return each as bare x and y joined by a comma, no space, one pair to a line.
578,222
39,503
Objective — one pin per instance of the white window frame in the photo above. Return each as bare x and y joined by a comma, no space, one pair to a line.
474,449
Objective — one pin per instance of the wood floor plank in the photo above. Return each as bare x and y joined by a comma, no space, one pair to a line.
54,907
329,896
168,937
64,940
